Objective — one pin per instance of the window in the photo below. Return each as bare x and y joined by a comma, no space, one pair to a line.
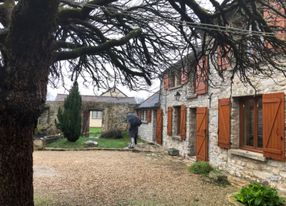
251,136
96,115
143,115
201,76
177,120
174,79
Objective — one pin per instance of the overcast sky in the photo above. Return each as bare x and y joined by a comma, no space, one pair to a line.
90,90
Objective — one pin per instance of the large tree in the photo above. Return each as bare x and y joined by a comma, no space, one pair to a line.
110,41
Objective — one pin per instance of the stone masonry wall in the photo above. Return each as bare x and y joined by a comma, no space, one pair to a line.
114,115
272,171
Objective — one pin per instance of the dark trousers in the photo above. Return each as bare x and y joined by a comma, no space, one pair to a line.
133,133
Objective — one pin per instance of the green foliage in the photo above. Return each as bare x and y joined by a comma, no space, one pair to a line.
69,120
200,168
256,194
112,134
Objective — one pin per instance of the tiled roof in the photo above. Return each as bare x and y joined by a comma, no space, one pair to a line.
151,102
102,99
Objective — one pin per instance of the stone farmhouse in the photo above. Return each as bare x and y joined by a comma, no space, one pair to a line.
237,128
107,111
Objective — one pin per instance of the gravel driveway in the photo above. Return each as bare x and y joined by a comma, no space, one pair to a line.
120,178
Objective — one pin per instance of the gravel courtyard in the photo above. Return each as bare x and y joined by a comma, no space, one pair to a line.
120,178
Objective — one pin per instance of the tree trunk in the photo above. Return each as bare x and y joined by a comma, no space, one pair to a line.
16,172
23,85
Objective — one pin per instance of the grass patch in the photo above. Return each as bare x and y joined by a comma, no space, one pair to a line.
203,168
41,201
94,131
102,142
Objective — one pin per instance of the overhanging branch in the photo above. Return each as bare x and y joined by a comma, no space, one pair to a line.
93,50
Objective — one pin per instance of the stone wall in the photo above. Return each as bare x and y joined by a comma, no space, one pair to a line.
46,122
236,161
114,115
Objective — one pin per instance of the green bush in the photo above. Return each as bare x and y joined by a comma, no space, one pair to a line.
256,194
70,118
112,134
200,168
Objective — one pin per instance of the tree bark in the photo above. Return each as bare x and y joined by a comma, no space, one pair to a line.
23,88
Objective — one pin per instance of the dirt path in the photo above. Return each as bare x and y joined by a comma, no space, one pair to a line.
120,178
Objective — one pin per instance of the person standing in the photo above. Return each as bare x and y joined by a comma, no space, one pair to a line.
133,124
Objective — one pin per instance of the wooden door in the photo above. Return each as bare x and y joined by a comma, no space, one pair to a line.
201,134
159,126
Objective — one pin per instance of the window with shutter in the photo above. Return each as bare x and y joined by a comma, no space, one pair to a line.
183,122
224,108
170,119
273,126
201,76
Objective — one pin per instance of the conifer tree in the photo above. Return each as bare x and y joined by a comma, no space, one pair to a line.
70,118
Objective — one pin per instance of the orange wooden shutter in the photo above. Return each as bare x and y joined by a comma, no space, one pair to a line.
201,134
201,84
149,115
273,126
183,122
159,126
166,81
170,119
224,107
223,60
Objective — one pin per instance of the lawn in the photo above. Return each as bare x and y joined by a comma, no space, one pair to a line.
94,135
94,130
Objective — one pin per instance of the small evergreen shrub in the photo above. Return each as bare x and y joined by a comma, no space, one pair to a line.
112,134
257,194
203,168
69,119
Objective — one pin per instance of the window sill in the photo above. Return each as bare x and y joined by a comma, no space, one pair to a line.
193,96
248,154
144,122
175,87
176,137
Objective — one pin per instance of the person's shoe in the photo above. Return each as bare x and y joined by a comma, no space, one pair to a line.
130,146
